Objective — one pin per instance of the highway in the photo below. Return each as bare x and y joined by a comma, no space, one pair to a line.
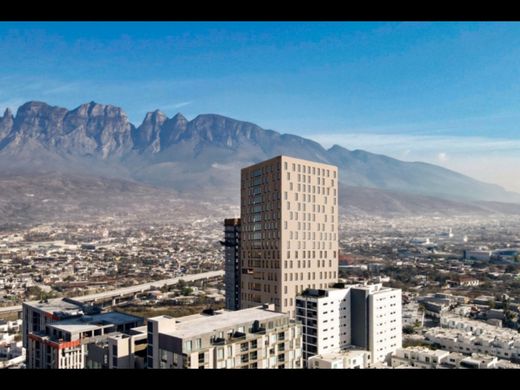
120,292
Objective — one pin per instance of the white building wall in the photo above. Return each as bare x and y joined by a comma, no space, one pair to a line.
385,317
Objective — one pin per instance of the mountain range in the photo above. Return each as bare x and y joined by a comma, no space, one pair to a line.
202,158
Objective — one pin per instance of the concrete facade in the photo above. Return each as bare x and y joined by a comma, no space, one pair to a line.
289,230
250,338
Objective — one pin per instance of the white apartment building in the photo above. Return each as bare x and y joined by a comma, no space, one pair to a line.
420,357
257,337
11,353
366,316
342,359
289,230
326,319
470,336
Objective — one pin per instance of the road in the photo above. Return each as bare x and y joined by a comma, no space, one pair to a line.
130,290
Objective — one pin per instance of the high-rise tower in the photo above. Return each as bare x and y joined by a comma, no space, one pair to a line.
289,230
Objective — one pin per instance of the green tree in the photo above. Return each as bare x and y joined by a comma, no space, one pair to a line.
186,291
408,329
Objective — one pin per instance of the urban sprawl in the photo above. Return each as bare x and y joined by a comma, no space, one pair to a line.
289,281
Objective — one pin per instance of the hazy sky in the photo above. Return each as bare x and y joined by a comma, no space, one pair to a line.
446,93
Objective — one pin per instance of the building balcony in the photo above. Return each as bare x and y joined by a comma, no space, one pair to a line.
218,341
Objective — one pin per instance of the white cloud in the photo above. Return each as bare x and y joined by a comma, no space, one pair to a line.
442,157
175,105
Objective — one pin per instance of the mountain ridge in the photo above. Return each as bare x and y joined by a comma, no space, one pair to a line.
204,154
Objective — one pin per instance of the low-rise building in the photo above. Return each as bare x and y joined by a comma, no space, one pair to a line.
257,337
63,344
420,357
353,358
458,334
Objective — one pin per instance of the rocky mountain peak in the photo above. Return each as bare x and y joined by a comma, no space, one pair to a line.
8,114
180,120
155,117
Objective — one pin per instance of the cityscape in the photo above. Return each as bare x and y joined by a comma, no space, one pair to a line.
395,295
214,243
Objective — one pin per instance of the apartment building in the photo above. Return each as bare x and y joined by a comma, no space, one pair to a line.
37,315
119,350
63,343
420,357
350,359
289,230
256,337
365,316
232,262
377,320
326,319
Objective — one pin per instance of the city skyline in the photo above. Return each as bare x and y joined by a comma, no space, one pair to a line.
442,93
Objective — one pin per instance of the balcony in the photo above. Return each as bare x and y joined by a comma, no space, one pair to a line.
238,336
218,341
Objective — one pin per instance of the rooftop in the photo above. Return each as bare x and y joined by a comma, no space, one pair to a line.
86,323
346,353
198,324
56,305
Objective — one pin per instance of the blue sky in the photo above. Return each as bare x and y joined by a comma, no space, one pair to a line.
446,93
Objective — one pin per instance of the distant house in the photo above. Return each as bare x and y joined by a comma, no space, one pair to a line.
464,281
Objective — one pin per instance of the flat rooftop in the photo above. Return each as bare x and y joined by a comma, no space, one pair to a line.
345,353
54,305
86,323
419,349
198,324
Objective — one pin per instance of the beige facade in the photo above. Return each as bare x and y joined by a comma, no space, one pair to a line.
251,338
289,236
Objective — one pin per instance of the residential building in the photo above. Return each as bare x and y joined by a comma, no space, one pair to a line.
119,350
258,337
376,320
341,359
289,230
326,319
232,262
37,315
467,336
365,316
63,343
418,357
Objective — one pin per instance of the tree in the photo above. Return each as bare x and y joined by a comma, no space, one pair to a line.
186,291
408,329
